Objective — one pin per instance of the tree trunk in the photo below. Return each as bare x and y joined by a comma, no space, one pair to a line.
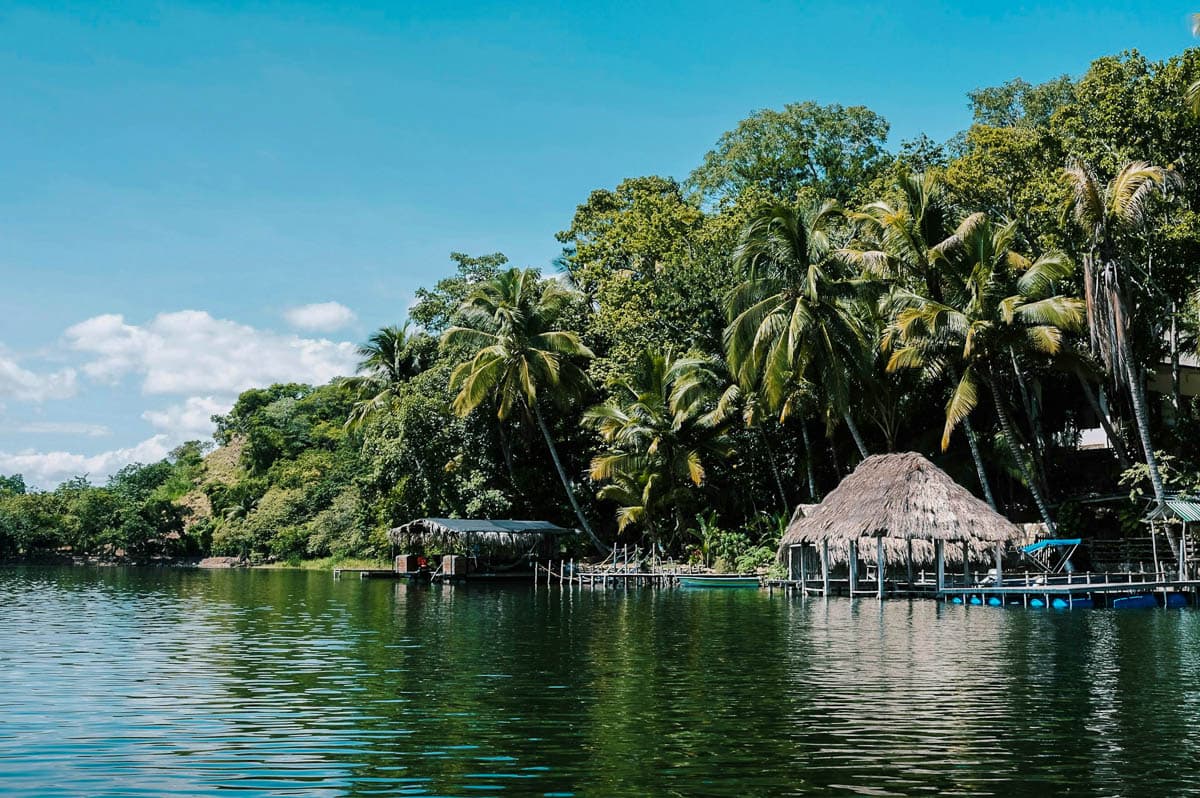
1118,445
1141,414
506,449
1010,434
1137,394
983,480
858,441
774,470
1176,388
808,462
562,475
1037,442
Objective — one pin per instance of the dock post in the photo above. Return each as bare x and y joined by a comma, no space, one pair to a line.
879,563
1000,565
803,569
853,567
966,564
908,562
939,546
825,568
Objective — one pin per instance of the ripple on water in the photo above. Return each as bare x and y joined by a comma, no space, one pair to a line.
288,683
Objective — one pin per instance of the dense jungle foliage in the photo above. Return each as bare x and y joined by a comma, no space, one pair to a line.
711,353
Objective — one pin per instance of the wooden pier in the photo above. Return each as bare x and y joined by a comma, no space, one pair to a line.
1012,589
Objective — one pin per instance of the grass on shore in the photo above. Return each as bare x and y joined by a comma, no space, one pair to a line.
329,563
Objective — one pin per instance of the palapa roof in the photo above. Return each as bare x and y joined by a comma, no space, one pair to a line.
480,534
901,498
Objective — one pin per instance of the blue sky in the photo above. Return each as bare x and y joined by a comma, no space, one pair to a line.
186,188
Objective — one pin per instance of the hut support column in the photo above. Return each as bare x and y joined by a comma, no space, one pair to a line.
853,567
879,563
791,563
966,563
1154,550
908,561
999,565
825,568
939,547
803,568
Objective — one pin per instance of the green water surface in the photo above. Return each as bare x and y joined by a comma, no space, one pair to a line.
175,682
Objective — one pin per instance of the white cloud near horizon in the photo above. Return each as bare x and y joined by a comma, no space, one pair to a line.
48,469
64,428
320,316
24,385
203,360
189,420
191,352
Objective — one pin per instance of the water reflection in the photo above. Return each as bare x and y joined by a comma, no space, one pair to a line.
289,683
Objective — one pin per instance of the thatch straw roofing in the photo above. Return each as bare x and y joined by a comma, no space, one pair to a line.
474,535
900,498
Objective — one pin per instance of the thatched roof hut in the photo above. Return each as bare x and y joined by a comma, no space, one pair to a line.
477,536
904,500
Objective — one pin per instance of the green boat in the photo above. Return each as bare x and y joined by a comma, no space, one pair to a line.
718,580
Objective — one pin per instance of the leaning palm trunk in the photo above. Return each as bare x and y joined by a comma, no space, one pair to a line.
562,475
1137,395
1010,434
774,469
1118,445
973,442
808,462
858,439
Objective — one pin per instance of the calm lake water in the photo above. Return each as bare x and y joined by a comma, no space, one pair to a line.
160,682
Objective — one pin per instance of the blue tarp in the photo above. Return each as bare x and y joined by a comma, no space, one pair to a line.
1042,544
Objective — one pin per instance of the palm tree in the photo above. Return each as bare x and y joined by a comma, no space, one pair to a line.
657,442
390,357
791,320
912,245
517,356
1109,216
1193,91
706,387
1003,309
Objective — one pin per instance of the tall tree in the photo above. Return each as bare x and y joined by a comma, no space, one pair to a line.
1193,89
657,444
1004,307
518,358
790,321
391,357
1110,215
828,150
910,243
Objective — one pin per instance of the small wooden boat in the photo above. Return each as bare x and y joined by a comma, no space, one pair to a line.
718,580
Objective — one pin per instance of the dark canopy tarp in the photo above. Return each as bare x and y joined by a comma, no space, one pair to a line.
475,536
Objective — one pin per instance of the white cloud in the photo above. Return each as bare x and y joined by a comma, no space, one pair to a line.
190,352
64,428
320,316
19,383
47,469
190,420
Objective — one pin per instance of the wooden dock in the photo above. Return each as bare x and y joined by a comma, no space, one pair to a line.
1014,589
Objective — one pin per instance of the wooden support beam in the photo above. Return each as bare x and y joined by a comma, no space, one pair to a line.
803,567
879,564
908,562
939,547
825,568
966,563
853,567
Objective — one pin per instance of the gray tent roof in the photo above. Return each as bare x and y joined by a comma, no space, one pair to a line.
477,526
480,535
